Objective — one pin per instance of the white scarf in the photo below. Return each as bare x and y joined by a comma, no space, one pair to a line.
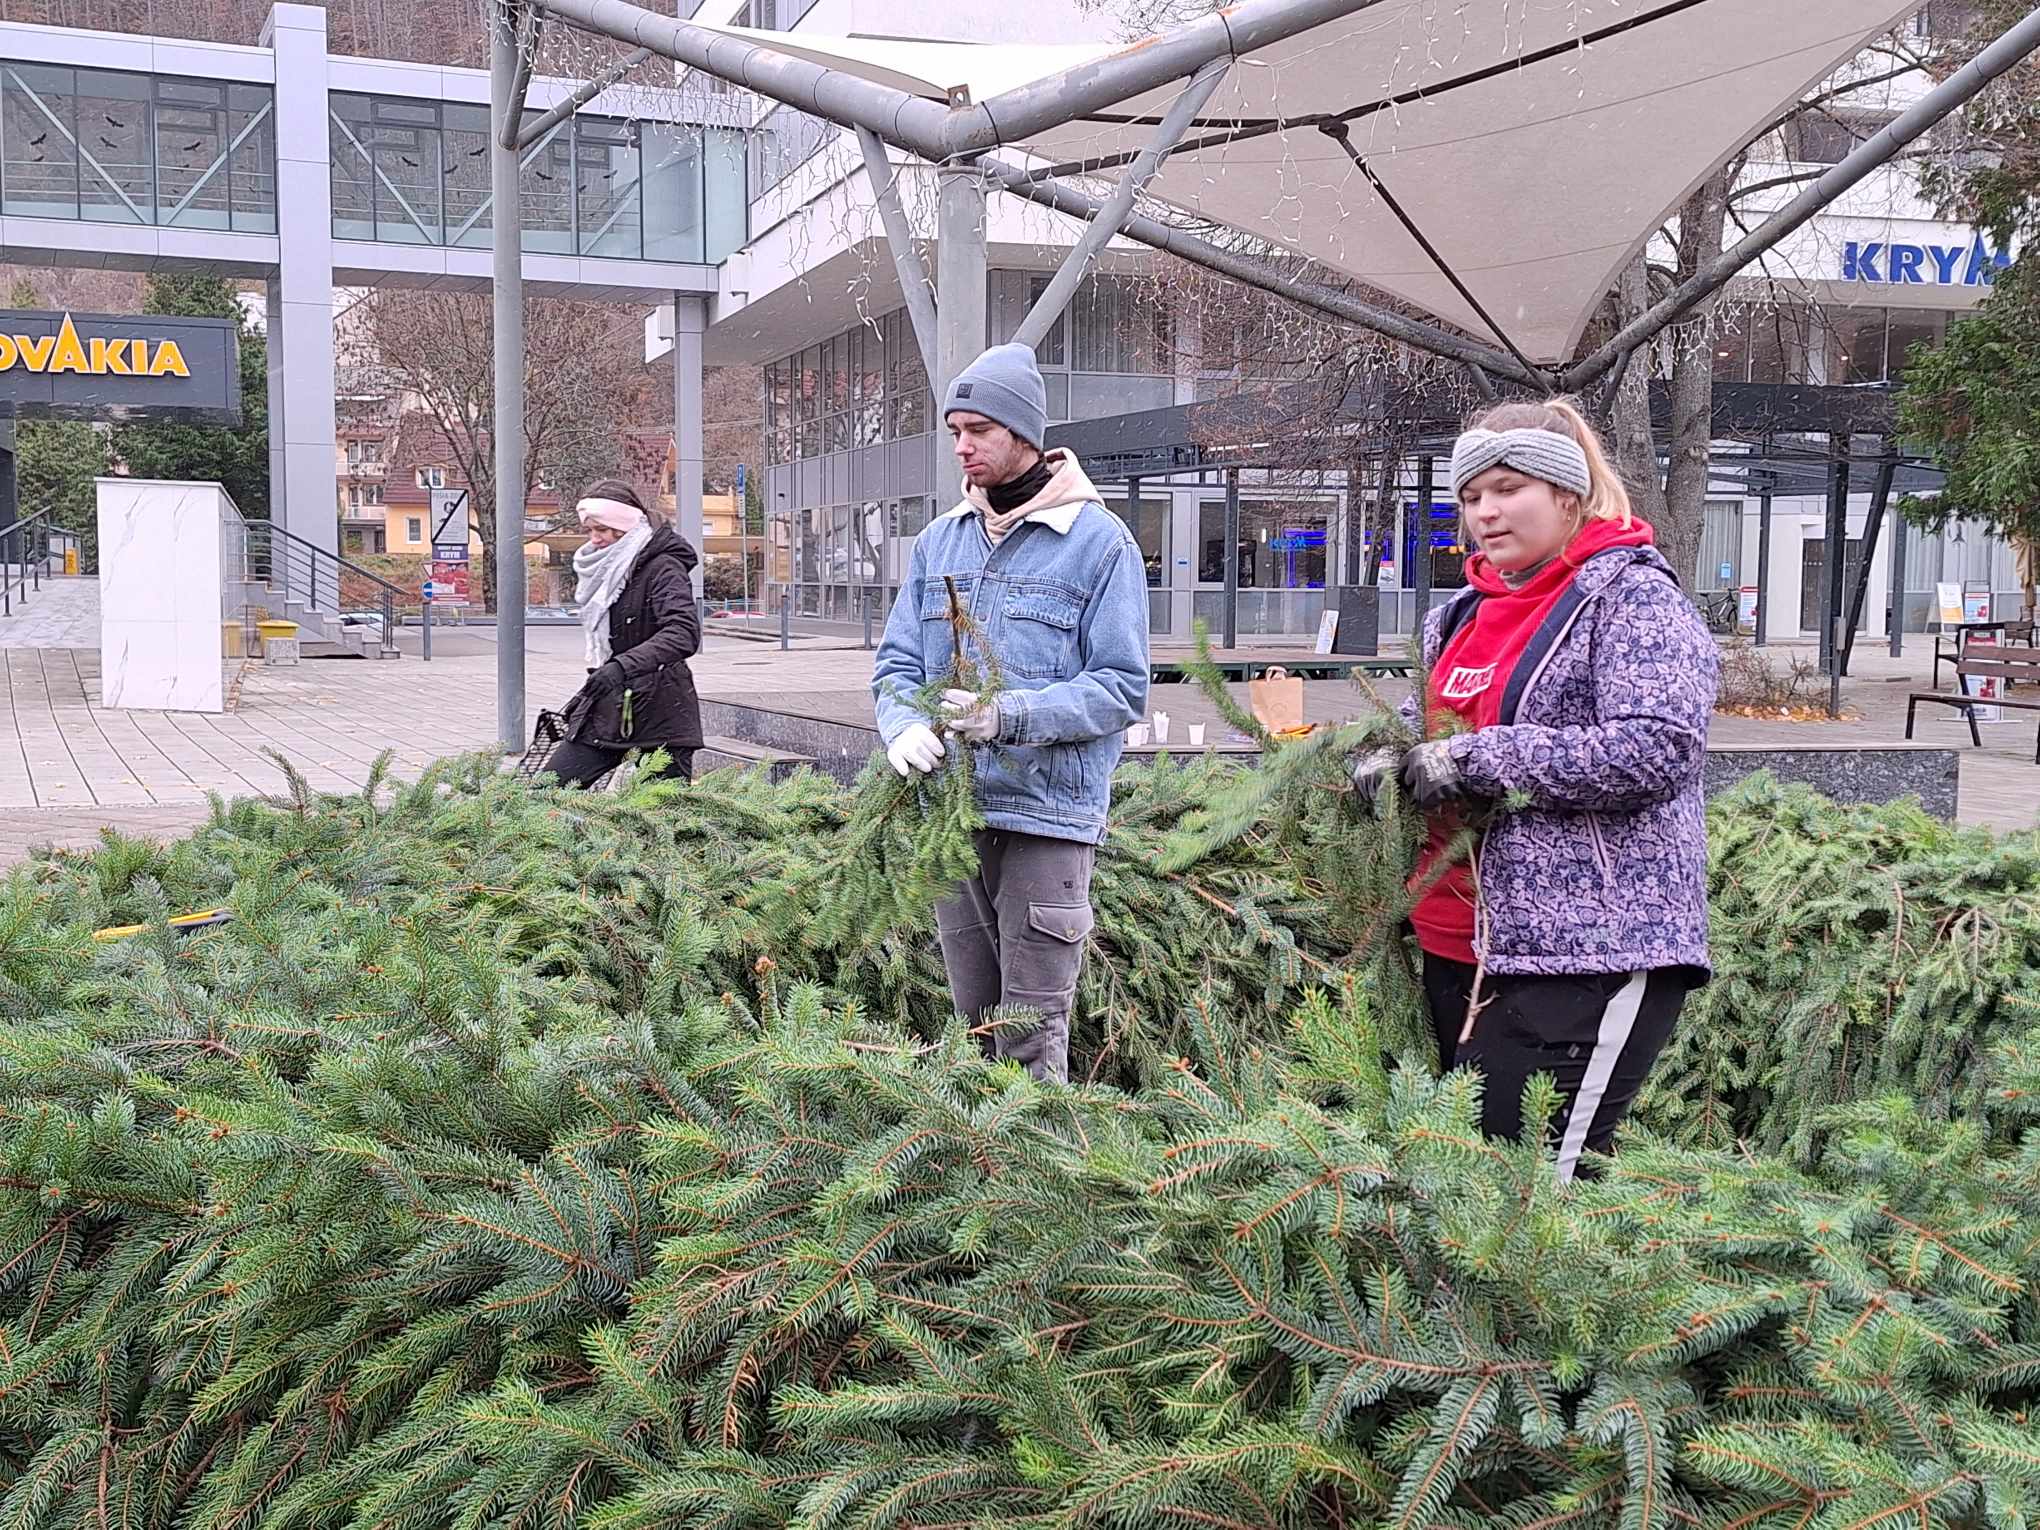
601,573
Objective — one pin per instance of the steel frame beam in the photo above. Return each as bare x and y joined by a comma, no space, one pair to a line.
1996,59
526,21
1113,211
506,102
582,95
899,234
940,133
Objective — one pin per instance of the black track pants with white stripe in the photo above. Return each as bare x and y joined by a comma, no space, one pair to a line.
1596,1034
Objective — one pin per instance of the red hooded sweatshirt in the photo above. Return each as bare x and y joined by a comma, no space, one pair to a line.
1468,682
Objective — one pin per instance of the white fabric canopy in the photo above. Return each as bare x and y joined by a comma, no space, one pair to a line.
1536,144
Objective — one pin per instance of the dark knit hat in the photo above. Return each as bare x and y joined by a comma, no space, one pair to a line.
1003,385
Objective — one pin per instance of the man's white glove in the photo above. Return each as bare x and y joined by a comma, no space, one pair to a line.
916,749
971,720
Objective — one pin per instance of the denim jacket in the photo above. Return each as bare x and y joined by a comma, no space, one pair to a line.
1062,604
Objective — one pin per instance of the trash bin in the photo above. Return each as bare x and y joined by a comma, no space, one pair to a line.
71,561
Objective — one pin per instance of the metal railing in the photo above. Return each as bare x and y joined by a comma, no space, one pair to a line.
303,571
24,557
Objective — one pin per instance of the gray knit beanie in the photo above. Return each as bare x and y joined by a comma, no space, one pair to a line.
1545,454
1003,385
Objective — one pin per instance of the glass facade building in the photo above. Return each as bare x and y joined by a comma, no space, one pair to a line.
108,146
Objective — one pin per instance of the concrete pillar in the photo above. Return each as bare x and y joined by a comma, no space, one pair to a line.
690,318
302,498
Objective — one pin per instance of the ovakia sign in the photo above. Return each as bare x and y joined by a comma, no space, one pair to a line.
119,367
99,357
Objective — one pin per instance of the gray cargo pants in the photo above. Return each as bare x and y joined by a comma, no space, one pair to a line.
1013,936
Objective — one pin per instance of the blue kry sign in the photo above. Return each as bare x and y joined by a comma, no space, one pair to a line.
1931,265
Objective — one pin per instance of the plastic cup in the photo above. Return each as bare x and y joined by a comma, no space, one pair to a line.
1137,736
1196,735
1161,722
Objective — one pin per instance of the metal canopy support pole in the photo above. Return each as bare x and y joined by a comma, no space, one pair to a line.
1996,59
1898,530
524,27
960,274
1834,570
507,107
899,234
1880,496
1420,552
582,95
1112,212
1229,635
1763,634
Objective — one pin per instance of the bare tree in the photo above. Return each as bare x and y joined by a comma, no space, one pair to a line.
583,385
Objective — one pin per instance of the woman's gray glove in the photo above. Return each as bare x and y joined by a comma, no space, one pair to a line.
1370,772
1431,776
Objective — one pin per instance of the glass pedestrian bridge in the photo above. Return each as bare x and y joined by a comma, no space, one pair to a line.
109,146
84,143
310,172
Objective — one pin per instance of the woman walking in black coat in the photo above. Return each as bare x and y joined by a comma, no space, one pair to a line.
636,593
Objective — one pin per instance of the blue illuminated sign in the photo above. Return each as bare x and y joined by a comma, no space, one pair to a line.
1894,264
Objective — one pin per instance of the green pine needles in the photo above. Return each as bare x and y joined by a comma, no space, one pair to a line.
518,1159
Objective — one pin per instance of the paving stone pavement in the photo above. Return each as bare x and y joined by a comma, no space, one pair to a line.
68,766
61,613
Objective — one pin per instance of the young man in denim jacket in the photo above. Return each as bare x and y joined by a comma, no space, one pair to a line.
1057,594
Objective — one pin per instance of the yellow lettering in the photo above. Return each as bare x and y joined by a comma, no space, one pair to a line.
111,356
35,350
169,360
9,353
68,355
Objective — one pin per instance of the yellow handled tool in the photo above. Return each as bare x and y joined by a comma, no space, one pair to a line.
197,921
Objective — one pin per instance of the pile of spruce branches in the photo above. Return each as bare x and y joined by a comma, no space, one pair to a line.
529,1158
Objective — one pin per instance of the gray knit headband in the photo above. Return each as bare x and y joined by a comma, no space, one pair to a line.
1546,454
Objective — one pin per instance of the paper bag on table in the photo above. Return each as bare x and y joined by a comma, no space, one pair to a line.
1277,701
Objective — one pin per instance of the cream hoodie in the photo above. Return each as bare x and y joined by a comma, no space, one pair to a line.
1057,504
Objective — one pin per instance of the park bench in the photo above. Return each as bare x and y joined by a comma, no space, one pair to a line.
2016,665
1952,642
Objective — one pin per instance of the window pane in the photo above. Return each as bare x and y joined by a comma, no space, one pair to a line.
115,176
1150,528
353,196
1119,328
403,145
40,115
1051,351
251,121
464,174
672,171
194,189
724,193
606,183
547,192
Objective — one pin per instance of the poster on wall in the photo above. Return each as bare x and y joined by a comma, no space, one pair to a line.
1948,604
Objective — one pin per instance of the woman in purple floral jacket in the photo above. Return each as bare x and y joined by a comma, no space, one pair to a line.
1572,672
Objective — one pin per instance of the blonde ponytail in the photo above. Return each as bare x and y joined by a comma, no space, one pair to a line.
1607,498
